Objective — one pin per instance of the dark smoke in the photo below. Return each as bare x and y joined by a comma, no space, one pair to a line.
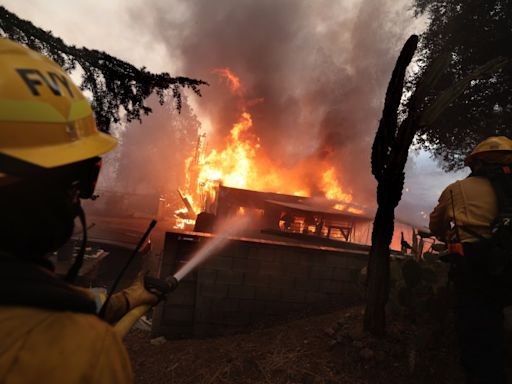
320,69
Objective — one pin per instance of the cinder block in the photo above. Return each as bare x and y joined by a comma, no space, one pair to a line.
316,258
335,260
353,261
230,277
251,306
217,290
219,262
271,267
321,272
252,253
202,314
243,250
253,265
277,307
268,293
293,296
236,318
180,299
258,279
241,291
181,314
298,307
345,274
289,256
331,286
309,285
281,281
175,332
335,299
207,275
266,253
298,270
314,297
229,304
240,264
216,315
204,329
351,290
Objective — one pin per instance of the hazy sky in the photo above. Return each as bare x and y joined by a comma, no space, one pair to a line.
165,36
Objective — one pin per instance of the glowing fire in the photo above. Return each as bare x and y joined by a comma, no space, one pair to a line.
235,165
333,191
234,82
243,163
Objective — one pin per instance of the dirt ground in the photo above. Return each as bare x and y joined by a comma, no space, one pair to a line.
325,349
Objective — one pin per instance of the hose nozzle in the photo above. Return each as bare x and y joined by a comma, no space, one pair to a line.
160,287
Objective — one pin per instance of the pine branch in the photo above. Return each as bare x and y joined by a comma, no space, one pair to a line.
115,84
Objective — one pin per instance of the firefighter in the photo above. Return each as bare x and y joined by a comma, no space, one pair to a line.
468,218
49,148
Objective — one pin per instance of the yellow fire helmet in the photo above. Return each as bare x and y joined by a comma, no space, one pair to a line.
493,148
44,118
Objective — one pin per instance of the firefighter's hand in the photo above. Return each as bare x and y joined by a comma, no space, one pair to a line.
137,295
121,303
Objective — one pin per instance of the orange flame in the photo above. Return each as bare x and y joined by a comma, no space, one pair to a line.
235,84
242,163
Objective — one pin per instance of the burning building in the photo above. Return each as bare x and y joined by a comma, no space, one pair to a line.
232,173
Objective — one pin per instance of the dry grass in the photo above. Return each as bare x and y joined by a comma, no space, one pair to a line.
323,349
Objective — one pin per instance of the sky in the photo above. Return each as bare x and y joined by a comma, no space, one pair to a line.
320,66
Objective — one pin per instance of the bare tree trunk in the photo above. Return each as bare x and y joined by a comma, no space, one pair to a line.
378,263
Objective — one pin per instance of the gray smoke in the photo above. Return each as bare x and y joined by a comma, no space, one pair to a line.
318,68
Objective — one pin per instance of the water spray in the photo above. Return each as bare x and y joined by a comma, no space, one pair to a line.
162,287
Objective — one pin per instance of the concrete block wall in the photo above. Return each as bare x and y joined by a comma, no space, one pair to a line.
252,280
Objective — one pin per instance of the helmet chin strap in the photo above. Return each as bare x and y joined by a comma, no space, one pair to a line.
79,260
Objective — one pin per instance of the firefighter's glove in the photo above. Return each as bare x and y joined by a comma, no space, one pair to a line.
122,302
137,295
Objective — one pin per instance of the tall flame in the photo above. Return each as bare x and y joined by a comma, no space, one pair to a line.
243,163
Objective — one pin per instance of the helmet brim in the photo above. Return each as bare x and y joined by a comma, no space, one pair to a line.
51,156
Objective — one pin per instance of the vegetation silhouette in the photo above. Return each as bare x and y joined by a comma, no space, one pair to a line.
117,87
472,32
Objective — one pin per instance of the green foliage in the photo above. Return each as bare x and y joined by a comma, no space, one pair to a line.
471,33
115,85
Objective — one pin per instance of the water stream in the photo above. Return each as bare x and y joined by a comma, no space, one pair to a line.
229,228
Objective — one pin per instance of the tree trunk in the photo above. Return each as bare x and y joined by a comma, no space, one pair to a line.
378,265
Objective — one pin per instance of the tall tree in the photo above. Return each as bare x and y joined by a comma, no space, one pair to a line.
116,86
473,32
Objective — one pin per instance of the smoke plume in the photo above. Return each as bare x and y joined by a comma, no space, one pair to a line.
316,71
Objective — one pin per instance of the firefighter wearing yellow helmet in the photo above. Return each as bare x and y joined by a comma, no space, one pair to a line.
49,160
474,217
